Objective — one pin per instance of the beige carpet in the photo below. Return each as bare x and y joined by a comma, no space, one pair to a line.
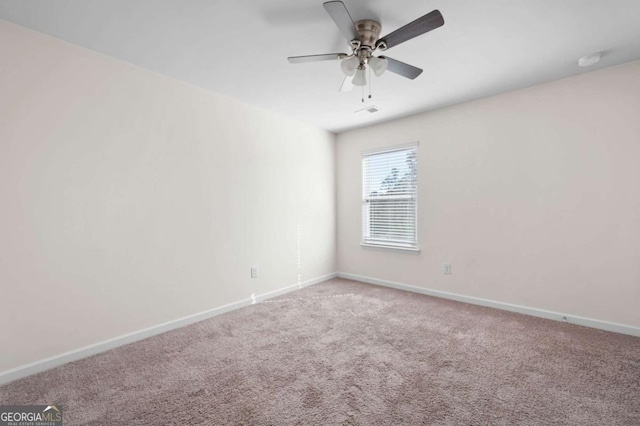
344,353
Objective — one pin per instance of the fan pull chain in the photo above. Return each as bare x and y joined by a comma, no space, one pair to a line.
362,93
369,82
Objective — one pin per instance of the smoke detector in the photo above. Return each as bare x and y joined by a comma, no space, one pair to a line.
587,61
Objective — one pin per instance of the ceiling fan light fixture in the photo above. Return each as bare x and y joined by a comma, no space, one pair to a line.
360,78
378,65
349,65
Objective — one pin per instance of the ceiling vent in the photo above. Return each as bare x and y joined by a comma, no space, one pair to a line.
372,109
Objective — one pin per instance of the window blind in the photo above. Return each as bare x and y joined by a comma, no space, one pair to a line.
389,197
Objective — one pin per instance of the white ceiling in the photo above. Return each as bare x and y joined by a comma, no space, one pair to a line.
239,47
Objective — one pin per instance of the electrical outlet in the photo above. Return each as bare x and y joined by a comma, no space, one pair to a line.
447,269
254,272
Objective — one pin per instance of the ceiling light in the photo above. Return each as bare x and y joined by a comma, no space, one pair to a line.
378,65
350,65
587,61
360,78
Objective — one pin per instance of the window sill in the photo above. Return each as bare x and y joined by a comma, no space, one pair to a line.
397,249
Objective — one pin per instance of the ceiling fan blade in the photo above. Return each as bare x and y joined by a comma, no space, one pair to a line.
316,58
401,68
347,84
426,23
340,15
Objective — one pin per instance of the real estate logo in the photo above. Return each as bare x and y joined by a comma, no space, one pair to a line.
30,415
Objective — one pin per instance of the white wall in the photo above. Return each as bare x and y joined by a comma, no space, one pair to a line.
130,199
533,196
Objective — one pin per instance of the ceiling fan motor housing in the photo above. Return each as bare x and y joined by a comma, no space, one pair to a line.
369,32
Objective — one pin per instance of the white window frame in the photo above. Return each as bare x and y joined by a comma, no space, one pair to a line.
373,243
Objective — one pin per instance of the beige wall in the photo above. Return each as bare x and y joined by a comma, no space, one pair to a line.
533,197
130,199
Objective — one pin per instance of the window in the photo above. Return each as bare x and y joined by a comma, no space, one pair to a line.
389,197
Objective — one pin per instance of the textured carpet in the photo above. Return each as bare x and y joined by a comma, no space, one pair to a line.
345,353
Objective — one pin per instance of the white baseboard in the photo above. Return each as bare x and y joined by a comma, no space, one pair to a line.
541,313
87,351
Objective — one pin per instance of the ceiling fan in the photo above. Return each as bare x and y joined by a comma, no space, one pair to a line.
364,39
